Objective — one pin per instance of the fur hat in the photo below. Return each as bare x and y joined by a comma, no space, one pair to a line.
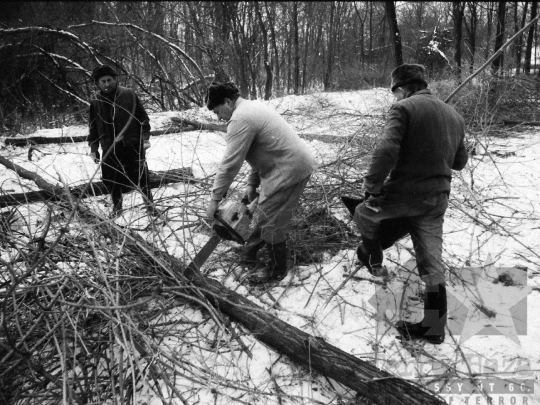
408,74
218,92
103,70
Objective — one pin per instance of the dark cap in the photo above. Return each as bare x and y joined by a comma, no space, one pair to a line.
408,74
218,92
103,70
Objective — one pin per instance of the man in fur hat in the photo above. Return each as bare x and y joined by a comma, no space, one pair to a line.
119,123
281,165
407,187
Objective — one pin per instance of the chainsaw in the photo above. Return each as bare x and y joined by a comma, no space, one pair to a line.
231,222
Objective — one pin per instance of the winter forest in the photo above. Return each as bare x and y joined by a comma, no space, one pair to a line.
108,310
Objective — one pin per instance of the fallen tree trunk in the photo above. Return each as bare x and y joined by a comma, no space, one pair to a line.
205,126
514,122
42,140
97,188
369,381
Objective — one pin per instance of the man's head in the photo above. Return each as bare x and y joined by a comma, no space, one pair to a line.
105,78
221,98
408,79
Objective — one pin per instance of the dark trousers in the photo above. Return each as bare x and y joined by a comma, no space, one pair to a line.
125,169
423,220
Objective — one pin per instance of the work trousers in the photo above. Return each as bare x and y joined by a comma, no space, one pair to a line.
422,219
275,214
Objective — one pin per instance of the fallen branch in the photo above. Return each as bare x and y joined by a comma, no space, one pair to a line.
41,140
514,122
157,179
200,125
205,126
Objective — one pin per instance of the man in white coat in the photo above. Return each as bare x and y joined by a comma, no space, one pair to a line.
281,165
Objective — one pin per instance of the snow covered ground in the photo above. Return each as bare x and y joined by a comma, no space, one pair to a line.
492,233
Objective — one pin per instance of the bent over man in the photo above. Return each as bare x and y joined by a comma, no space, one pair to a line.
407,187
281,166
119,123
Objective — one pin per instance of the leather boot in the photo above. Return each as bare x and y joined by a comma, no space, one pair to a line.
276,268
373,262
431,328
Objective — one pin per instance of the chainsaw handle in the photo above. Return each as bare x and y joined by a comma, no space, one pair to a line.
250,206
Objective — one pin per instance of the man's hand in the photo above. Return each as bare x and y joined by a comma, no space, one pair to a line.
94,153
251,192
211,210
146,145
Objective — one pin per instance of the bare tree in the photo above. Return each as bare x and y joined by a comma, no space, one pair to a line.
530,37
499,38
394,32
458,8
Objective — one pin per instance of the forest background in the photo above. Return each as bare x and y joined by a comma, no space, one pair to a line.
170,51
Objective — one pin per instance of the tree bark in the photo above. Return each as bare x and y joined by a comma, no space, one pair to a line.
471,32
267,67
519,42
530,37
330,64
499,38
296,81
457,11
394,31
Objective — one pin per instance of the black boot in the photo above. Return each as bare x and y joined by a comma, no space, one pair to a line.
276,268
249,255
373,262
117,205
431,328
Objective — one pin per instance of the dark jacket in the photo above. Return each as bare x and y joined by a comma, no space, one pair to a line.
110,114
421,144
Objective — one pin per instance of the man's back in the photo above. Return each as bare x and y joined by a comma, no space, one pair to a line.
423,142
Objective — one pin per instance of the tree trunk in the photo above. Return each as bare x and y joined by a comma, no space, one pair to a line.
519,42
528,50
296,85
457,12
497,65
394,32
274,43
267,67
471,32
328,75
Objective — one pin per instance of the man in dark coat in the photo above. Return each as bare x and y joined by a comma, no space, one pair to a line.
119,123
407,187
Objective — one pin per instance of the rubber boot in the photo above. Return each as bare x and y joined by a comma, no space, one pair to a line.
373,261
249,255
431,328
276,268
